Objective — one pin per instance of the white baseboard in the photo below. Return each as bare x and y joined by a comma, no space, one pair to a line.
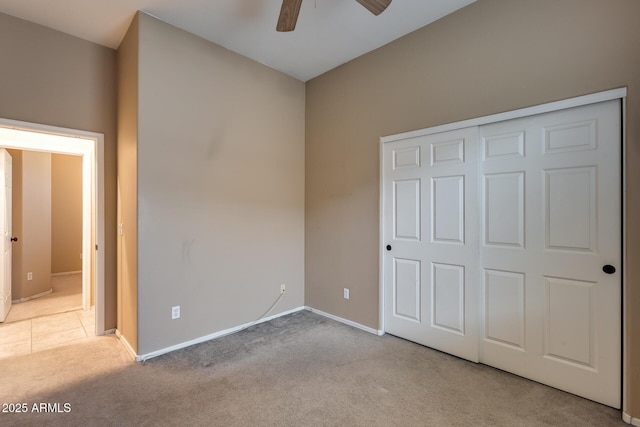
151,355
147,356
630,420
66,273
126,345
18,301
346,322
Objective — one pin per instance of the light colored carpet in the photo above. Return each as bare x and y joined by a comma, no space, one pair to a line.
66,296
298,370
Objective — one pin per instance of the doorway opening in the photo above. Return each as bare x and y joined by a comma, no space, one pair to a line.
90,146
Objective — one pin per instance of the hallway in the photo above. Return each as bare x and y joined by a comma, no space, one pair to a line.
66,296
49,321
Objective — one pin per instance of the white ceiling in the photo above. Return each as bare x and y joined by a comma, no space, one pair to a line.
328,33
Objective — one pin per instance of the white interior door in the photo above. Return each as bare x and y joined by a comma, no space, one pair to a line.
530,284
550,192
5,237
431,241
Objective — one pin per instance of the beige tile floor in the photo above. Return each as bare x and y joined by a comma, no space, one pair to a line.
42,333
50,321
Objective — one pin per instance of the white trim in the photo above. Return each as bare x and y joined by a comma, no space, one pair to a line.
345,321
147,356
381,204
66,273
515,114
41,294
99,264
624,255
126,345
220,334
87,207
89,145
630,420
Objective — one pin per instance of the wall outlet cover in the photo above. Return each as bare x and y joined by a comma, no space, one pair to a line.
175,312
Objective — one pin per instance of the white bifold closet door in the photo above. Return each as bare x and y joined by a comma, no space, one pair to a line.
504,246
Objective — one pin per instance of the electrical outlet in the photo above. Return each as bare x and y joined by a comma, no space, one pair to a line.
175,312
29,276
283,288
346,293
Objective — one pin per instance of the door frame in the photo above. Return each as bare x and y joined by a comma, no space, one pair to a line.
90,146
609,95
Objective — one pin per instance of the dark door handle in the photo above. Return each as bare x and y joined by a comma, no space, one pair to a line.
388,247
609,269
14,239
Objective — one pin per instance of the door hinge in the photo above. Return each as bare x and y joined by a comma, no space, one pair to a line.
96,247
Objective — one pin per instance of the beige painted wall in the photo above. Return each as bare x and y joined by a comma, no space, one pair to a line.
220,187
490,57
52,78
128,185
66,213
34,251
